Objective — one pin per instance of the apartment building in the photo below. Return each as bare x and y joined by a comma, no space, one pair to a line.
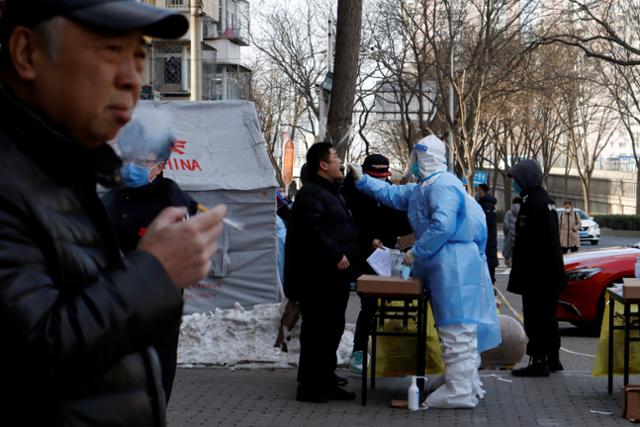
225,30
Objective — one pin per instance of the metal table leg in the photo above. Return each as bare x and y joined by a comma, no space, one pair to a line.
611,303
627,327
364,373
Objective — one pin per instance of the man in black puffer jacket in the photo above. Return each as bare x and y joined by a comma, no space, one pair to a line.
488,203
77,321
322,258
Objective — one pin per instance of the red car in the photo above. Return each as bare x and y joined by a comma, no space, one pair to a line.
589,274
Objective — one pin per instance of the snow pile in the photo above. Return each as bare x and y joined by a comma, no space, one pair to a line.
242,338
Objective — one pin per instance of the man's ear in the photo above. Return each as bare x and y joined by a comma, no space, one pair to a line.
324,165
22,48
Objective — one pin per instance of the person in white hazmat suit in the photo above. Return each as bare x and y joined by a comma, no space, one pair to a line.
448,256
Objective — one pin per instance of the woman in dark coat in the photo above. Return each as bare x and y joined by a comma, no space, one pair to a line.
132,208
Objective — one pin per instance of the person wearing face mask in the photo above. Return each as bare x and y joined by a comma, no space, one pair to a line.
569,228
145,145
537,271
449,257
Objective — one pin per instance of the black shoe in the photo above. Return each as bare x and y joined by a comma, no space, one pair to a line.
310,396
536,368
341,394
340,381
554,364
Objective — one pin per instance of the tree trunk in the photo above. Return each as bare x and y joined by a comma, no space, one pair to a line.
506,184
345,73
637,190
585,195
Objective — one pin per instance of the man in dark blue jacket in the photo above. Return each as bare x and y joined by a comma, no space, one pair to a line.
321,260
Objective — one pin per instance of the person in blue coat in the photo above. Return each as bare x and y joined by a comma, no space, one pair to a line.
449,257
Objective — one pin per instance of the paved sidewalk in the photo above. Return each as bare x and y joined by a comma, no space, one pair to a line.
217,396
222,397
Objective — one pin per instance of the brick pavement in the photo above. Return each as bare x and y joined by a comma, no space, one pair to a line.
223,397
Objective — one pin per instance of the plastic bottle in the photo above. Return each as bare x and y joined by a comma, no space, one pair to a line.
413,395
638,267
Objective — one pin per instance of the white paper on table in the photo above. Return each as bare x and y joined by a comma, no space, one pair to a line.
380,261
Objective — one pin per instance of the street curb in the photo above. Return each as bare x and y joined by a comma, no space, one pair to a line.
619,233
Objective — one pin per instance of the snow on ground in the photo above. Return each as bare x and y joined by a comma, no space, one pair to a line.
240,338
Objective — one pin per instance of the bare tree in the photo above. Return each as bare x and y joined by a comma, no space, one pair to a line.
623,84
289,42
590,123
605,30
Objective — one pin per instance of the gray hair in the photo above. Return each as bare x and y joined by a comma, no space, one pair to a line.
49,33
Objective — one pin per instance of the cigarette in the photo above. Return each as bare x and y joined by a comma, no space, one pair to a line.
233,224
230,222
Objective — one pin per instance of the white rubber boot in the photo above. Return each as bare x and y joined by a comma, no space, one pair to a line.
460,356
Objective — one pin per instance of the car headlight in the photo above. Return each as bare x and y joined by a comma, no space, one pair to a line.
582,274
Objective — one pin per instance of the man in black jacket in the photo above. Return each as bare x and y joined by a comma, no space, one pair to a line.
537,272
77,320
378,226
488,203
321,260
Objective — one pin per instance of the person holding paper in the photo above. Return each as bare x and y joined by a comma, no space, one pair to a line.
448,255
378,226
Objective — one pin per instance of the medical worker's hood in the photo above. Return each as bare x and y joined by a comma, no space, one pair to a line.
527,173
431,155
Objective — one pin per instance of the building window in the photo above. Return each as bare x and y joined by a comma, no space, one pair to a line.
177,4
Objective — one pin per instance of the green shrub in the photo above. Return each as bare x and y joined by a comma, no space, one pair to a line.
618,222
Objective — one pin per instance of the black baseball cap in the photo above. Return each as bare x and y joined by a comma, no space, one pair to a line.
107,15
376,165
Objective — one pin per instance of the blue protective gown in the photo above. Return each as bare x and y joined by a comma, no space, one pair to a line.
451,234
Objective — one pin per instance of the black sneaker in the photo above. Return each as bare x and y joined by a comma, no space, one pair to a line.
340,381
536,368
341,394
310,396
555,365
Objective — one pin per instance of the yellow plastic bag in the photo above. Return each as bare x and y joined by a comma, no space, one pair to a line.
602,359
396,356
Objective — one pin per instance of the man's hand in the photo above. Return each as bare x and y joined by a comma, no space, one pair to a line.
377,244
356,171
409,258
184,248
344,263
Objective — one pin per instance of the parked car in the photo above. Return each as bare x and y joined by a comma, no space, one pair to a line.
589,274
589,229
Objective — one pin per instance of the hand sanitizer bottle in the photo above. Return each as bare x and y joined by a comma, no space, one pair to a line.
413,395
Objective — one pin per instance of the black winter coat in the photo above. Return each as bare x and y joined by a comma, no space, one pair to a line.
538,265
488,204
76,320
373,220
131,210
320,233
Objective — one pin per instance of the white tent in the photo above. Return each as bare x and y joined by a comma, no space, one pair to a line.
220,157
